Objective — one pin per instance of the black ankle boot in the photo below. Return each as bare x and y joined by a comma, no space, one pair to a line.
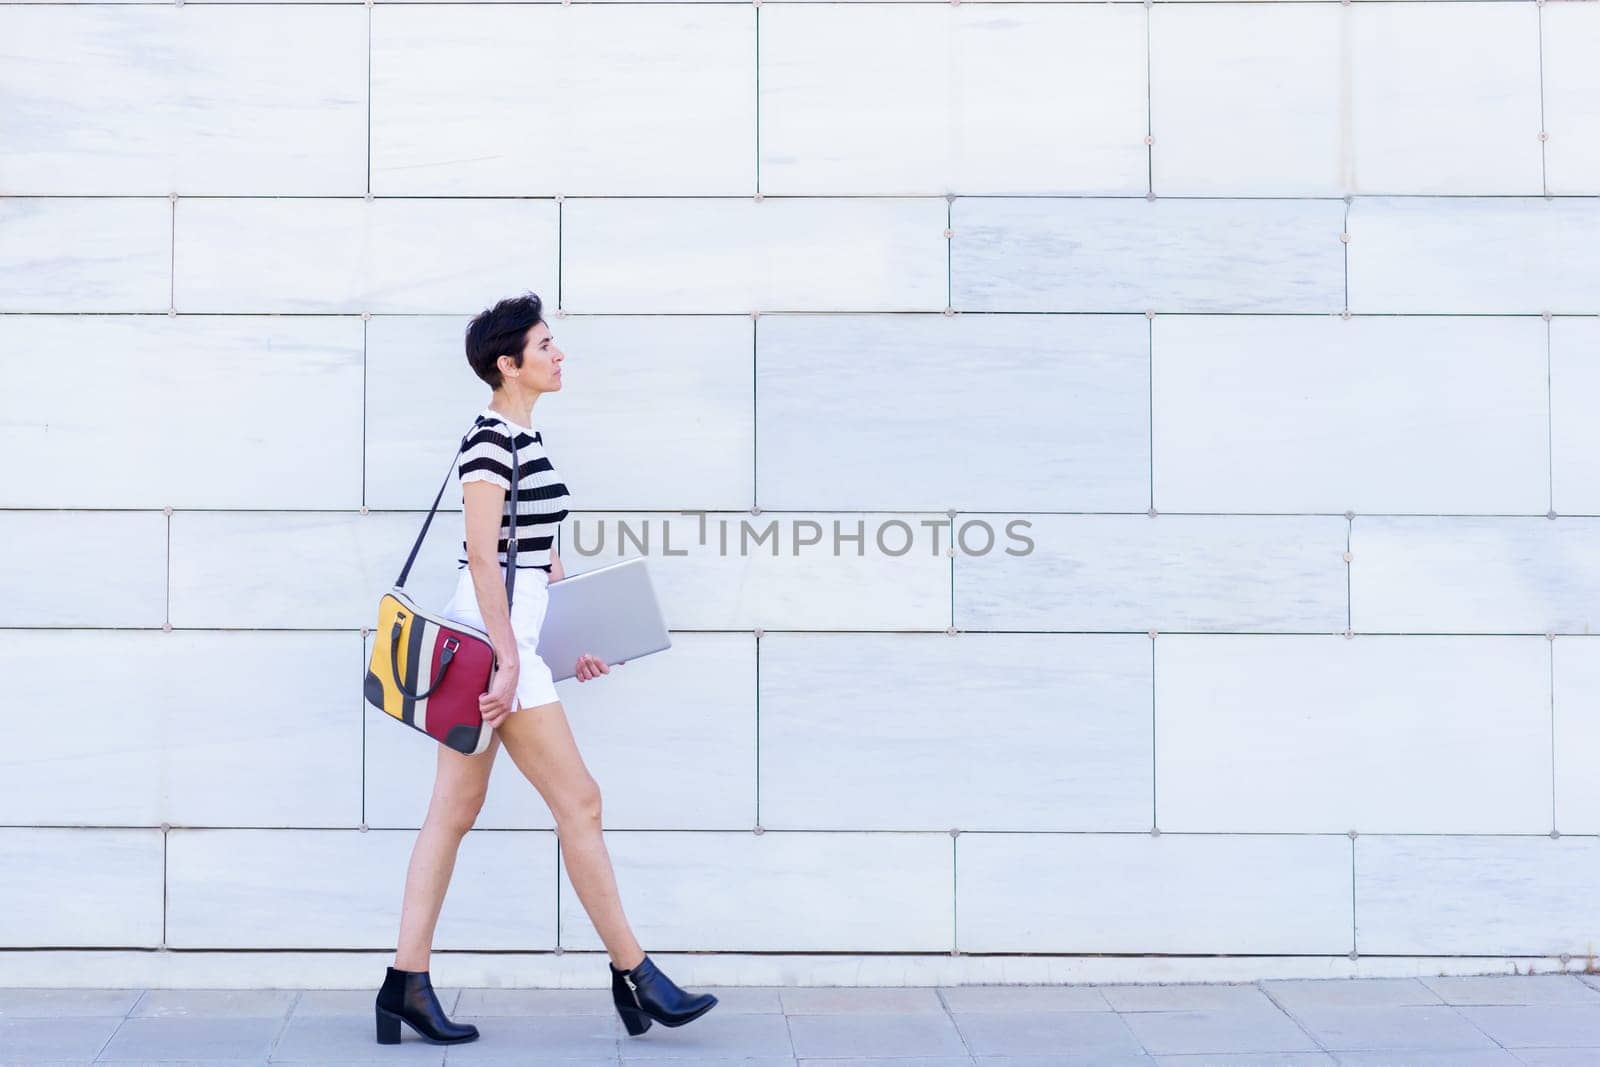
643,993
409,995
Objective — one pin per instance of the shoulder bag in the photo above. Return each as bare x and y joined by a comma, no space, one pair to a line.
428,670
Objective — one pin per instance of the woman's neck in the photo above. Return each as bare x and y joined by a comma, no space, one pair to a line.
513,410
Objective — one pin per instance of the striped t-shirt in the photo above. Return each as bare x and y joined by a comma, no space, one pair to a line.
541,495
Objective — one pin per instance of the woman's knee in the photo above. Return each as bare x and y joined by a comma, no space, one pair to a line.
460,786
457,810
582,803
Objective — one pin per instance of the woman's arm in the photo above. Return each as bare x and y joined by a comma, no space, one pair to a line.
556,571
483,501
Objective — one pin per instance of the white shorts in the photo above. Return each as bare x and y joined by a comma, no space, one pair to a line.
529,600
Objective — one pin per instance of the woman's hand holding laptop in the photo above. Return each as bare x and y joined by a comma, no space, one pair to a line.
590,666
605,615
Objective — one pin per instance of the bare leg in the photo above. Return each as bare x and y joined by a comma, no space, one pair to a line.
459,786
541,744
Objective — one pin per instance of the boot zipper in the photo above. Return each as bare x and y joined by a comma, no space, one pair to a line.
635,989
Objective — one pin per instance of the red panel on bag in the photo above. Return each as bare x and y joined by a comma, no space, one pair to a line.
455,701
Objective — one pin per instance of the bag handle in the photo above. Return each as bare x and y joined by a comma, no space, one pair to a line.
511,507
446,654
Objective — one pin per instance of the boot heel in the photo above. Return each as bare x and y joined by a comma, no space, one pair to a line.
388,1028
636,1021
408,997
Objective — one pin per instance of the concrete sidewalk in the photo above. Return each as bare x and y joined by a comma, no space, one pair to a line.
1459,1021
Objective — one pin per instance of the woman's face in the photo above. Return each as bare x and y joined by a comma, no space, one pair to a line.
541,360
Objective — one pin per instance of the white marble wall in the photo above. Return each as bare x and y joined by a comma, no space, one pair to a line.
1277,324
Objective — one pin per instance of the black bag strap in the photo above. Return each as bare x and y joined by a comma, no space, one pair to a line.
511,506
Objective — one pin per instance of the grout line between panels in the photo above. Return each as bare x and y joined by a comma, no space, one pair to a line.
805,312
1345,256
1150,401
1549,416
167,621
757,639
365,662
1149,112
1555,824
122,1020
172,258
955,908
1540,834
371,7
365,328
953,519
755,402
1321,1048
731,197
758,95
1544,131
703,3
289,1019
727,513
1155,814
1355,948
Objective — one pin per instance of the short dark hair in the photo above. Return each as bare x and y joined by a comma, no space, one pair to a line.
501,331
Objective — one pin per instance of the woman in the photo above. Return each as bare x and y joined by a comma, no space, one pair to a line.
511,348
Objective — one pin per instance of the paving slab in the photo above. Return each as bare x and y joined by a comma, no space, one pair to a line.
215,1003
1294,994
1456,1057
1047,1033
1247,1059
834,1000
1423,1028
1514,989
1219,1031
70,1038
164,1038
65,1003
902,1034
1000,998
1187,996
1540,1025
710,1037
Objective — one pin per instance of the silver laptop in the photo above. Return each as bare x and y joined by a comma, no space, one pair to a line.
610,612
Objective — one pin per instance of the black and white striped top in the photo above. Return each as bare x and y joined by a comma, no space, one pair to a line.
541,497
